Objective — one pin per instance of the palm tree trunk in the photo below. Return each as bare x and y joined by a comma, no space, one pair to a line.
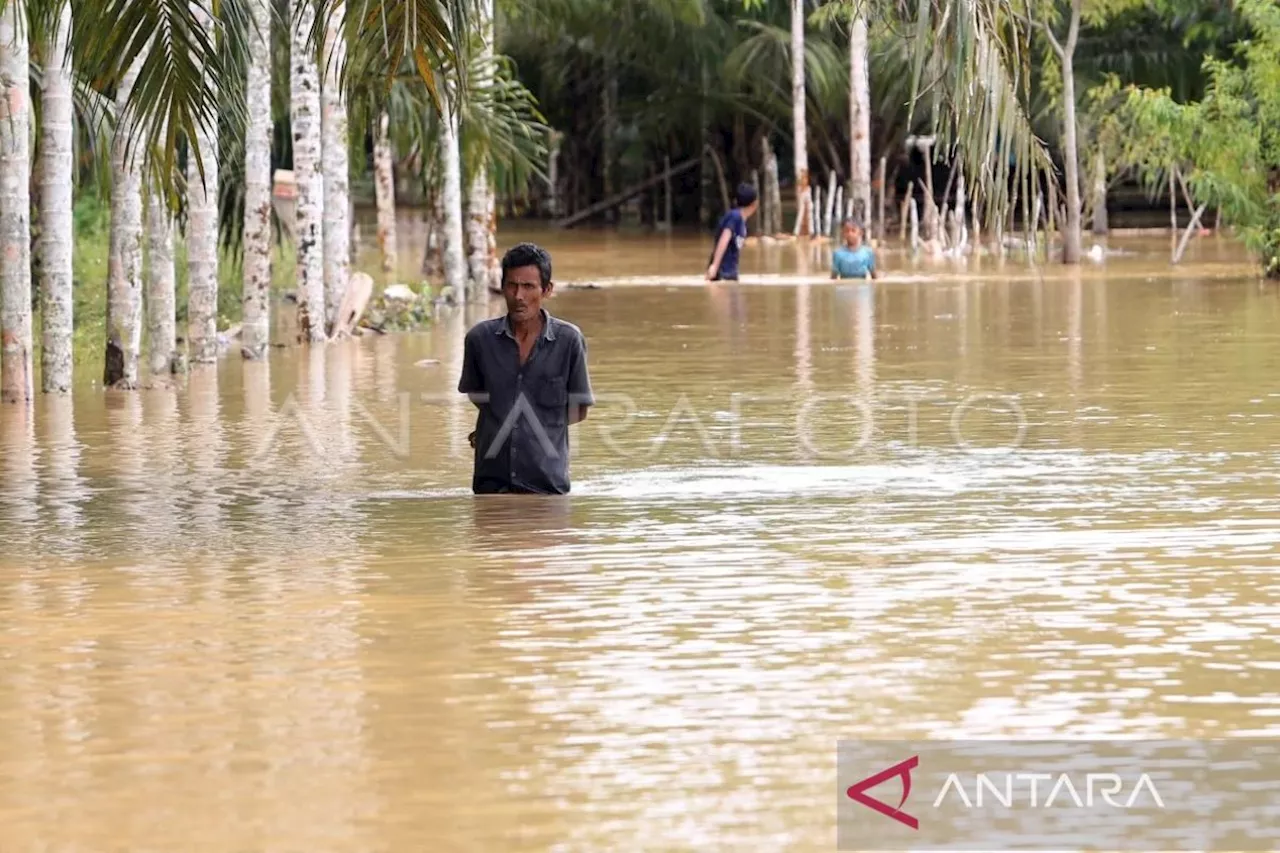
161,301
17,383
804,209
255,334
337,197
455,260
1071,236
482,215
57,167
859,121
304,88
124,265
202,236
384,186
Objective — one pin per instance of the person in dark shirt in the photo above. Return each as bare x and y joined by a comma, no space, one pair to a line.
526,372
730,234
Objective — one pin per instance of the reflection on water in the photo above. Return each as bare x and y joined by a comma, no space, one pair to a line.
263,611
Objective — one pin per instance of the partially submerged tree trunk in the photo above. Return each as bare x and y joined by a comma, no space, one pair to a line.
255,334
337,196
455,260
304,85
124,264
161,301
202,236
859,120
384,185
772,192
57,238
804,210
482,213
1072,226
17,372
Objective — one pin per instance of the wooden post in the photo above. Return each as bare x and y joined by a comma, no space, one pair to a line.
831,201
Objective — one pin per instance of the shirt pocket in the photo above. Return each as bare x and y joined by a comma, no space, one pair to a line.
552,396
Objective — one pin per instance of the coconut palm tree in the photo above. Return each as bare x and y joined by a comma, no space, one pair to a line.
384,185
161,298
17,371
308,175
124,264
57,165
799,129
482,247
337,198
256,329
202,222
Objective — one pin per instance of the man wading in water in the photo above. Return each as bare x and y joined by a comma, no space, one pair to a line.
527,374
730,234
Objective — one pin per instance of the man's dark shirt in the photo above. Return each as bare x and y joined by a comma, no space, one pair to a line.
736,223
522,430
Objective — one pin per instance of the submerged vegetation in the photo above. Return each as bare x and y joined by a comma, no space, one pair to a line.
979,117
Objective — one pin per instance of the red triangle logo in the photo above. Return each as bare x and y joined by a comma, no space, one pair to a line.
858,791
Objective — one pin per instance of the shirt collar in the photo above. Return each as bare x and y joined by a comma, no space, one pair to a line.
548,331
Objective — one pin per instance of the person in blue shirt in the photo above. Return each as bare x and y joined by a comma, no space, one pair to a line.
730,234
854,259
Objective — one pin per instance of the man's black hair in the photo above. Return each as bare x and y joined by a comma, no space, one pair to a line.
849,220
746,195
528,255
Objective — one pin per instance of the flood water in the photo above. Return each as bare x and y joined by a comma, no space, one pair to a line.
263,611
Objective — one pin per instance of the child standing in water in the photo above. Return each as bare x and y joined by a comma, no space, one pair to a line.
854,259
730,234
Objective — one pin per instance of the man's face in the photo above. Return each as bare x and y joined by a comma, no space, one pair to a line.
750,209
852,235
522,288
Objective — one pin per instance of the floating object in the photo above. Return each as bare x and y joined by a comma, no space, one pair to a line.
359,289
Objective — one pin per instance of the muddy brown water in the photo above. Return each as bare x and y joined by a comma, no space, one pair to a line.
262,610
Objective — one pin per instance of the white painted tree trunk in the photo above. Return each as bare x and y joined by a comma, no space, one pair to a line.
17,372
859,120
1072,228
57,238
455,261
304,85
1100,195
804,208
481,247
124,264
337,196
161,301
202,236
482,214
772,192
384,186
255,334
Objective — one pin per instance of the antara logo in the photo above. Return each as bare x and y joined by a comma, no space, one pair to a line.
858,791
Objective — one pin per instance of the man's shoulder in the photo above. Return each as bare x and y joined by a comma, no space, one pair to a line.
485,327
565,329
